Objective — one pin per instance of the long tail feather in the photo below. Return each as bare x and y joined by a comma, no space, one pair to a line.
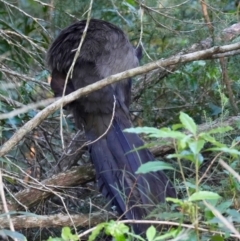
115,162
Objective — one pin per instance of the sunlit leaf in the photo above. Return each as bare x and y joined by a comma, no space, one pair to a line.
219,130
226,150
67,234
203,195
96,231
176,126
158,133
183,155
116,230
196,146
210,139
154,166
188,123
144,130
183,142
151,233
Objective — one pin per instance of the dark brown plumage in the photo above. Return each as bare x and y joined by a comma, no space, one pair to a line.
106,50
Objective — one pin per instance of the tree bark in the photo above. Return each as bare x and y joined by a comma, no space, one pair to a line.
41,190
59,220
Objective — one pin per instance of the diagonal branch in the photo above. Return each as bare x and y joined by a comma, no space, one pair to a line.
30,125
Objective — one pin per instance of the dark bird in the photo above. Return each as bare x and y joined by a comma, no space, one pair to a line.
104,114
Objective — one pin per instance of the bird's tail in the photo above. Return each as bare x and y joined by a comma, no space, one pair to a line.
116,164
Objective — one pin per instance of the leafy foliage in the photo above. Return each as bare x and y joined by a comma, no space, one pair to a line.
189,146
197,89
65,236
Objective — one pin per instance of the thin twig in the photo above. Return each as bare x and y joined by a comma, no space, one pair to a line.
226,223
70,71
229,169
206,16
2,194
26,108
227,82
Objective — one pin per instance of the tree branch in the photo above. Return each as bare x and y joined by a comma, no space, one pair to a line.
39,191
163,63
59,220
227,34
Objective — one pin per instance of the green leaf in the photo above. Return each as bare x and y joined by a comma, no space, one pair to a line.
117,230
220,130
190,185
54,239
153,132
184,154
96,231
153,166
131,2
145,130
226,150
223,206
176,126
208,215
196,146
183,142
234,214
151,233
199,159
217,237
203,195
66,233
174,200
188,123
137,237
210,139
168,235
168,133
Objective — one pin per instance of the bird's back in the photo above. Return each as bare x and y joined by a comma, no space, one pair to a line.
105,51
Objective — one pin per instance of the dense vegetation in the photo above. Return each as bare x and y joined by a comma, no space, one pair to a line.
193,106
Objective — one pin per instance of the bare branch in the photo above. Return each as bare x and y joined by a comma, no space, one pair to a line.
30,125
59,220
